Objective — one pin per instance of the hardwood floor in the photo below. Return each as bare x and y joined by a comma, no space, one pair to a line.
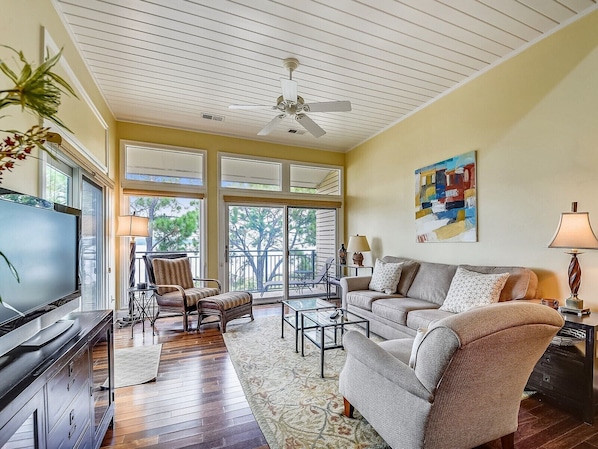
198,401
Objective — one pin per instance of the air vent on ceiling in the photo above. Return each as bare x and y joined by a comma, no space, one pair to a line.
296,131
216,118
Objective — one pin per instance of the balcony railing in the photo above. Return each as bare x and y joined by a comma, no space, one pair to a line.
250,270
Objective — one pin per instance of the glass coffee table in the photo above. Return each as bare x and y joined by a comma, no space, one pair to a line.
325,329
298,306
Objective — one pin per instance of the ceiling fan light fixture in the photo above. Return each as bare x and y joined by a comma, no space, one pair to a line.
291,104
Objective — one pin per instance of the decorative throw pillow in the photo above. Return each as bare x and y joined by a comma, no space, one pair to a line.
470,289
421,332
385,277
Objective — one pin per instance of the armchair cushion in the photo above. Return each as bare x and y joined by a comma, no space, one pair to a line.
172,272
421,333
192,295
385,277
470,289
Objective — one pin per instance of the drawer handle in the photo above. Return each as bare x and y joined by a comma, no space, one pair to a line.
71,417
72,431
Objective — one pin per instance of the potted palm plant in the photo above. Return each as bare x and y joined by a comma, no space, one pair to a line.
37,91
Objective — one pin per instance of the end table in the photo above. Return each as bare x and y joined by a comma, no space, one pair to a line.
142,299
565,373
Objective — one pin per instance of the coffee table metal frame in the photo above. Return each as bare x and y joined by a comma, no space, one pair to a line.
299,306
327,333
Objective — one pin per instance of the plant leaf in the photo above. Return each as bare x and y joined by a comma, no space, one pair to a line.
11,267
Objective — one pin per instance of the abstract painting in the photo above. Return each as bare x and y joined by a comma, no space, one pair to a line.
445,200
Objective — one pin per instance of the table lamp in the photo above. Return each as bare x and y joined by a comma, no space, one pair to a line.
132,226
574,232
357,244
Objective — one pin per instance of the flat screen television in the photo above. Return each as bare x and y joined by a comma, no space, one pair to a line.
41,241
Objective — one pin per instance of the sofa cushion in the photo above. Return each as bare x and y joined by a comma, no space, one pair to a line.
397,309
521,284
385,277
364,298
408,272
432,282
399,348
425,317
470,289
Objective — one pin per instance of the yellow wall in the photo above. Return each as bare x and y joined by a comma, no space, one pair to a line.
533,121
22,24
213,144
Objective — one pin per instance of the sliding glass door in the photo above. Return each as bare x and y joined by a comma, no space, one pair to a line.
92,246
255,250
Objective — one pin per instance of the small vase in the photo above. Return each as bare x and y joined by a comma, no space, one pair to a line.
342,255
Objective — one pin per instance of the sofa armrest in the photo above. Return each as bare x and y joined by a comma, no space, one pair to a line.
383,363
353,283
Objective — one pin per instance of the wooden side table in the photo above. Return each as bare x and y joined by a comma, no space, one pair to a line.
565,373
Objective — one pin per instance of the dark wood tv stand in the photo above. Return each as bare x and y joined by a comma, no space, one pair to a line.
53,396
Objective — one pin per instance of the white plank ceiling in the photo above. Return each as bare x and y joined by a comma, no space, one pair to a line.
178,63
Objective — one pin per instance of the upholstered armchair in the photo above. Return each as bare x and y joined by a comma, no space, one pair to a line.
458,385
177,289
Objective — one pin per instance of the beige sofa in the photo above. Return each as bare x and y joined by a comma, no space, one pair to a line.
421,291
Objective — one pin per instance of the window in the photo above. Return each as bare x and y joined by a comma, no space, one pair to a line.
59,182
173,168
250,174
316,180
174,226
238,172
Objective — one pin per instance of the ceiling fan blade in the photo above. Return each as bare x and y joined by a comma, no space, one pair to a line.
310,125
328,106
271,125
289,90
251,106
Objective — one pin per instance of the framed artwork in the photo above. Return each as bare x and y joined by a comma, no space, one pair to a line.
445,200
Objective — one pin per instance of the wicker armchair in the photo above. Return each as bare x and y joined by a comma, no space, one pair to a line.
177,290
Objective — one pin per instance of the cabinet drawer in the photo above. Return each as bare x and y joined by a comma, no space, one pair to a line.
558,386
73,422
64,386
560,363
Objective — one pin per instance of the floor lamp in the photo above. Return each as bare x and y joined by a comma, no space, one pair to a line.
574,232
132,226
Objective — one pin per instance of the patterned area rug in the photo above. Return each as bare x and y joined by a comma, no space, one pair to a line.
136,365
294,407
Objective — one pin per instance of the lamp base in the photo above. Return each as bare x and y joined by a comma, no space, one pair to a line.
358,259
573,302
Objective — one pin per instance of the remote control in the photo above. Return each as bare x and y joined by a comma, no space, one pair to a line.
334,315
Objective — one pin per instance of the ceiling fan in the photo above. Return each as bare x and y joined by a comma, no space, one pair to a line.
291,104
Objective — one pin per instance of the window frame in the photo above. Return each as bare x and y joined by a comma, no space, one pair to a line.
285,192
151,186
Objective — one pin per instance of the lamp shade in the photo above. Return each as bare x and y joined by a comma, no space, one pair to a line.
574,232
132,226
358,243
